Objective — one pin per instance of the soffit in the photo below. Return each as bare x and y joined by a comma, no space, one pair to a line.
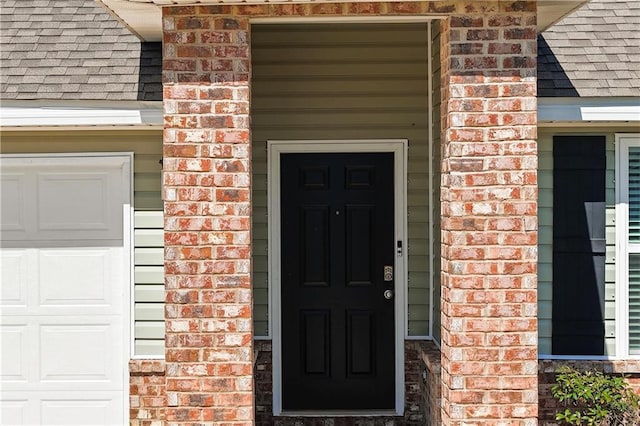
144,17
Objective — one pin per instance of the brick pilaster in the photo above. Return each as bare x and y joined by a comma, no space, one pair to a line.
489,215
206,190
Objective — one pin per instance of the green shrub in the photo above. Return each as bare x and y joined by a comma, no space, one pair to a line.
593,398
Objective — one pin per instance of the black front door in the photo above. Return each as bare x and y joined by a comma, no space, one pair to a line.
337,222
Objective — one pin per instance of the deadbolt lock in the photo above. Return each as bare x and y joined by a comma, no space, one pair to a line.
388,273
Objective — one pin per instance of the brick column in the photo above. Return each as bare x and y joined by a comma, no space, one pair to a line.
208,313
489,215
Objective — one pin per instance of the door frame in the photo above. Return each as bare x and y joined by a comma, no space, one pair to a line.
399,149
125,161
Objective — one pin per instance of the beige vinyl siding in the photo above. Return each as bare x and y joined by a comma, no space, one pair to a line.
435,166
343,81
545,236
148,221
148,259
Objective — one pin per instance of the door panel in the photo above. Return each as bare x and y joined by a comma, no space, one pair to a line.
338,344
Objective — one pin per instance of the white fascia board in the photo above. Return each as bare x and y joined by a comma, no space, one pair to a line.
27,115
611,113
571,110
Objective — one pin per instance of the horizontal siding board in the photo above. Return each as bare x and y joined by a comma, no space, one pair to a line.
148,274
148,163
364,54
297,34
346,102
149,347
261,328
149,237
545,197
147,200
419,328
149,293
314,69
418,248
260,280
418,263
149,330
418,298
149,311
149,256
379,119
261,312
140,142
544,274
419,312
418,279
148,182
148,219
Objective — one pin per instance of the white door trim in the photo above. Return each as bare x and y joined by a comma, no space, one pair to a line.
399,148
125,160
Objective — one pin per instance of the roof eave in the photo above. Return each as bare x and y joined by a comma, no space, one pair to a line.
144,17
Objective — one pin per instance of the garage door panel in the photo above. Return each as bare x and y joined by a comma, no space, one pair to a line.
81,410
13,209
64,199
64,408
14,270
15,354
14,412
73,353
76,277
77,202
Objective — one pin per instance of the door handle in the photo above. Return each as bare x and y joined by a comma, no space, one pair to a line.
388,294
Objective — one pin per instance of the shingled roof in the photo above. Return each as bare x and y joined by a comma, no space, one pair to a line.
73,49
595,51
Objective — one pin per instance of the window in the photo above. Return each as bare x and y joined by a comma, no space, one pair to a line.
628,244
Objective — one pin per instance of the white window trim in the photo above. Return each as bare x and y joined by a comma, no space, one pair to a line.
623,142
399,148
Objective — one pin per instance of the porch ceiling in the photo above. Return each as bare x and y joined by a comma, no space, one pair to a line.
144,17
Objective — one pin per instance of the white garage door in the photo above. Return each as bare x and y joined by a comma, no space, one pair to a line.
64,289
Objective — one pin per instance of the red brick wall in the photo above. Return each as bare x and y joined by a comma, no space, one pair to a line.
209,328
147,392
489,214
489,193
414,414
431,385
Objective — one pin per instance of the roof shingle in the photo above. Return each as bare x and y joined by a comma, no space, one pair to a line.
593,52
73,49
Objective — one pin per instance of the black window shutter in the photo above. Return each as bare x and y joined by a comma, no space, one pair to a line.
579,170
